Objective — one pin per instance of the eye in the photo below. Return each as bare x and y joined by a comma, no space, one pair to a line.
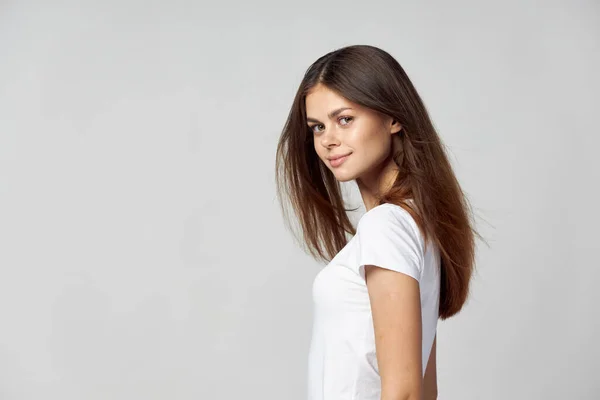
312,128
348,118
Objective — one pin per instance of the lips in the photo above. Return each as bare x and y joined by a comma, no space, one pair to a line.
336,157
337,161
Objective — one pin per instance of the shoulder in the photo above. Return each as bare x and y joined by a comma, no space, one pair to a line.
387,216
387,237
390,223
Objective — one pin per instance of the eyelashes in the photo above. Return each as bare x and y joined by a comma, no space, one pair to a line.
312,127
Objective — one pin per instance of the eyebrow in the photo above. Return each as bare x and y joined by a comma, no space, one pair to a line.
331,114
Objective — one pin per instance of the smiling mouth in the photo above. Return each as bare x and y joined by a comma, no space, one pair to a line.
334,162
335,158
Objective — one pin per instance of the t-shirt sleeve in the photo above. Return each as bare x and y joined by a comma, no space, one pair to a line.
388,239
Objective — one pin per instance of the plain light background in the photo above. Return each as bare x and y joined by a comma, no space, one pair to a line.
142,251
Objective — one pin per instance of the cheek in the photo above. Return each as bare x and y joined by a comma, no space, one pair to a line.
373,147
364,133
368,140
319,151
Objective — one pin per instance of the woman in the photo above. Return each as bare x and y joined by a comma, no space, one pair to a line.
408,263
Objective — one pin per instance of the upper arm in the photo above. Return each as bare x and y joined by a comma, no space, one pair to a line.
396,309
390,251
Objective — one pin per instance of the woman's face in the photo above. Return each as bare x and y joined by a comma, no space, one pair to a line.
342,128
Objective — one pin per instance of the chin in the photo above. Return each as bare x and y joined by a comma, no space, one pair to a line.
345,180
343,177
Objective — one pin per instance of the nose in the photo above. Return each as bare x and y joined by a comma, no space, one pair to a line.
330,138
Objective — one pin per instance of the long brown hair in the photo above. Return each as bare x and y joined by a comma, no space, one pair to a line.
371,77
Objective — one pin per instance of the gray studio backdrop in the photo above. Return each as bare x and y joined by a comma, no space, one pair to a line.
142,252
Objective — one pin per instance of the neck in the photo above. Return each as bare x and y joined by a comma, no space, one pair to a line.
377,182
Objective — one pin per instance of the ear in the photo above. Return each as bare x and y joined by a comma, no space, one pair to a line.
395,127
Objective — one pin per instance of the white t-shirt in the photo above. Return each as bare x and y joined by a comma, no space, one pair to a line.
342,363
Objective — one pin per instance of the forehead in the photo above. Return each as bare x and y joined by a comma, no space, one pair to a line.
321,98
